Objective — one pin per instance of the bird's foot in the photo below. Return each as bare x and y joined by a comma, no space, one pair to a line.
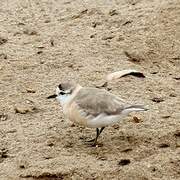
91,140
93,143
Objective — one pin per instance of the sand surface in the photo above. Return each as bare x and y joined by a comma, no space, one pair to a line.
44,42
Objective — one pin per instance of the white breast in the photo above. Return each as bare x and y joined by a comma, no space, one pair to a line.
63,99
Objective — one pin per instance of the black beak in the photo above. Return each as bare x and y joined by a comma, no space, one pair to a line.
52,96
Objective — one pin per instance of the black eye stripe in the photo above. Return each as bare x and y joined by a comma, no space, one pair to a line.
62,93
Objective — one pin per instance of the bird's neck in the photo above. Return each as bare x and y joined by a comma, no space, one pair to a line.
65,100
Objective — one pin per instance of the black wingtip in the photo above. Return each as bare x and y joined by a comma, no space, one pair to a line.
52,96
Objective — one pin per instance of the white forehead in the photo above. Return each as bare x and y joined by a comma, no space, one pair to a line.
57,91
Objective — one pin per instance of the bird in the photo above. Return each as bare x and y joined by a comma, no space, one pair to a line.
92,107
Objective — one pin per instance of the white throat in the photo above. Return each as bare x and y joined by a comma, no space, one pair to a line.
65,99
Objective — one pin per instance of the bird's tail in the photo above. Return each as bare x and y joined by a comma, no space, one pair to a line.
132,108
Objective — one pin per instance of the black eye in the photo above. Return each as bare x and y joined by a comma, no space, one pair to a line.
62,93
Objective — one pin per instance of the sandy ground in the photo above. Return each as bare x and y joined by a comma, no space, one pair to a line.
44,42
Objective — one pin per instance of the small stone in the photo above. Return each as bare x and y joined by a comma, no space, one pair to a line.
3,40
80,14
3,117
136,119
124,162
92,35
177,145
115,126
177,133
47,21
133,56
12,131
40,47
173,95
127,22
154,70
69,64
154,169
120,38
22,163
22,166
3,153
52,42
94,24
72,125
164,145
48,157
157,99
68,145
21,24
177,78
108,37
39,52
42,62
30,32
29,90
21,110
127,150
113,12
50,144
102,158
3,56
24,109
166,116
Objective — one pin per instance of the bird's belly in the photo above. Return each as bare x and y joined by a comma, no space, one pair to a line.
103,120
74,115
77,116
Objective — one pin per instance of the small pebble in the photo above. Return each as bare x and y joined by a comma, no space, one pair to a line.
3,117
157,99
177,78
3,40
24,109
3,153
127,150
133,57
115,126
29,90
124,162
47,21
52,42
22,166
30,32
39,52
164,145
127,22
136,119
113,12
166,116
108,37
103,158
177,134
172,95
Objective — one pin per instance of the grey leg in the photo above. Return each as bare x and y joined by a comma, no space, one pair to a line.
98,132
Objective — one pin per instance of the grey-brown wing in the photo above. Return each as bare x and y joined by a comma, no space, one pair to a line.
96,101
